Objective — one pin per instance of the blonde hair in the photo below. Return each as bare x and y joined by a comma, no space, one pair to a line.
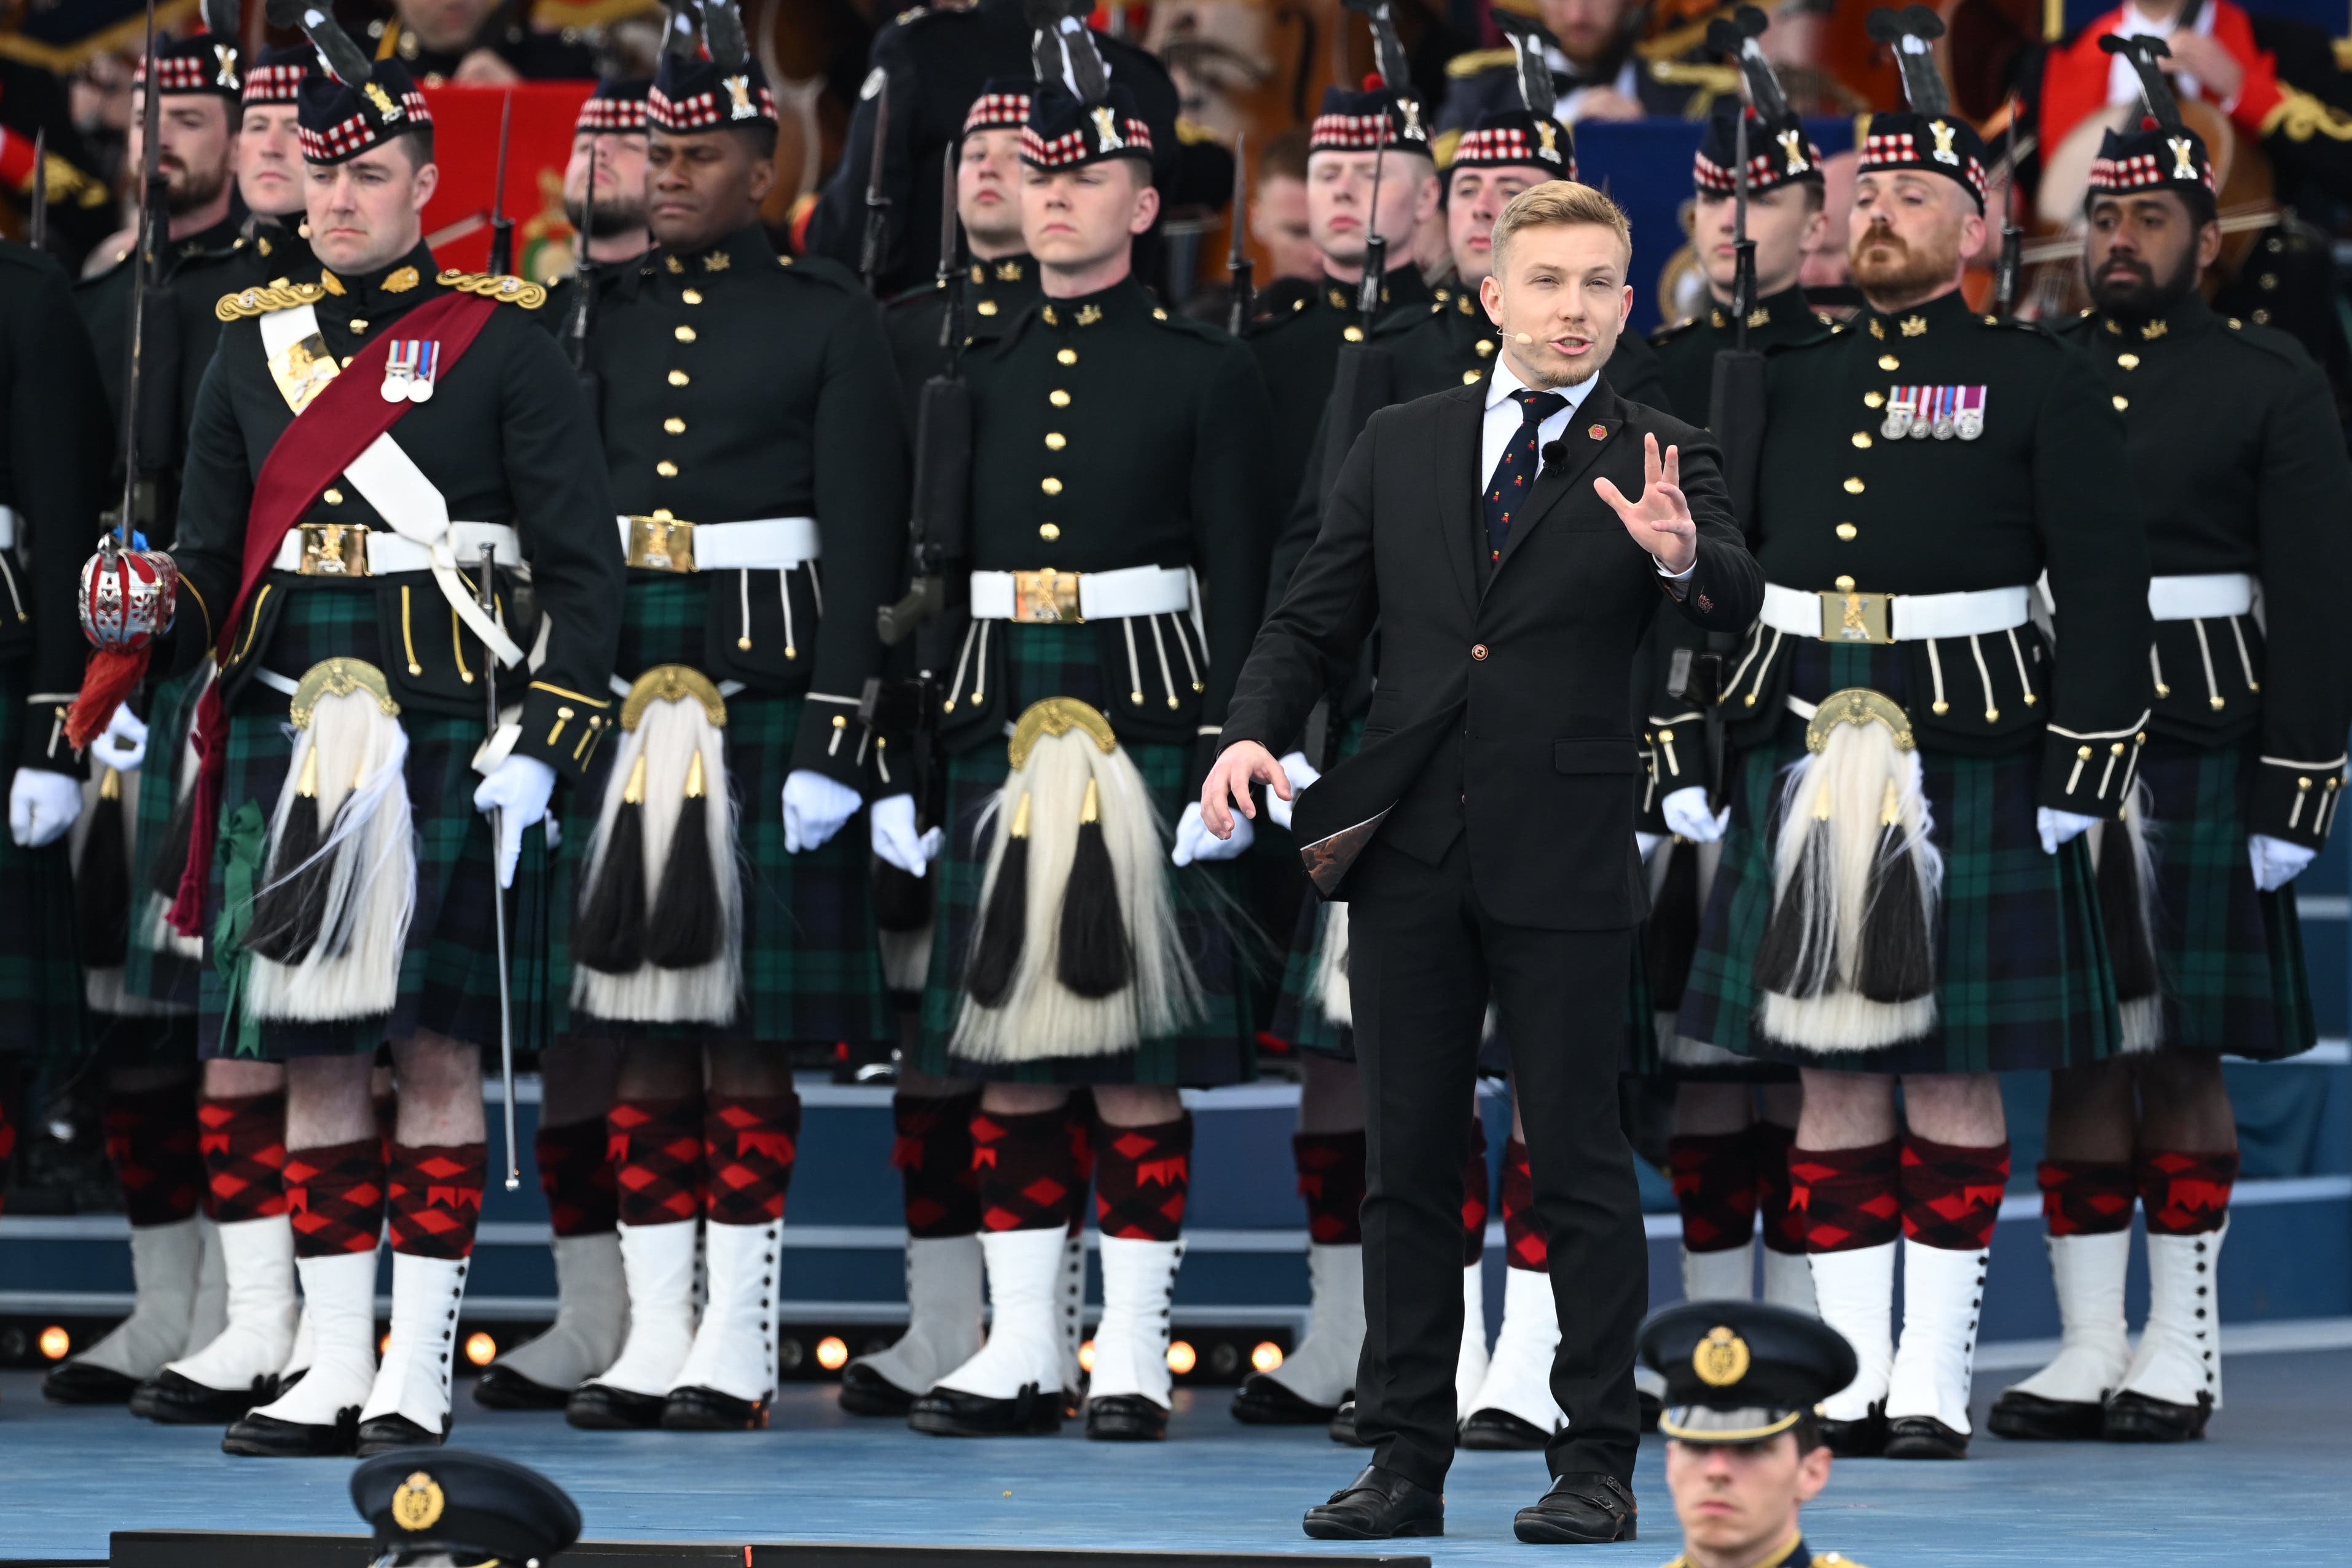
1559,204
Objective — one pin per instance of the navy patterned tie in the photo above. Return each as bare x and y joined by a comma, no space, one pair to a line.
1514,475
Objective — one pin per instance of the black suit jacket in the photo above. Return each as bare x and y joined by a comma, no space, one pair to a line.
1499,709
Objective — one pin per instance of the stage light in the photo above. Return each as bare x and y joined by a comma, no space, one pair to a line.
1087,1356
480,1348
55,1343
1224,1359
1265,1356
831,1353
790,1354
1181,1358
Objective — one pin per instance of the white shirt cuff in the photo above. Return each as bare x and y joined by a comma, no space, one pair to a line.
1682,576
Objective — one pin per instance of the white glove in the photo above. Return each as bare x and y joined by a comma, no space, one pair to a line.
1646,844
1301,774
814,808
42,805
895,838
1195,842
517,791
1687,813
122,745
2058,828
2276,861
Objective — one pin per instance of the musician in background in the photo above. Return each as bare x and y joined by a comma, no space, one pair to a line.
1594,66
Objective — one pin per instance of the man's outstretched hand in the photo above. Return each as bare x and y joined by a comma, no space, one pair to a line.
1659,522
1228,785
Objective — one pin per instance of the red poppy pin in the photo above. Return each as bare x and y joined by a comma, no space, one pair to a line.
1599,432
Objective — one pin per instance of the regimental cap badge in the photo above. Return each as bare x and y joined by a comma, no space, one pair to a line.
1792,149
2184,161
739,99
1105,121
1944,132
224,57
385,108
418,1503
1720,1359
1550,138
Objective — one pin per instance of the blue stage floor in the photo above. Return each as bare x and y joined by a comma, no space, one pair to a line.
2270,1487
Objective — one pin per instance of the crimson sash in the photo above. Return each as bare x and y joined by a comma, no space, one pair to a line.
339,424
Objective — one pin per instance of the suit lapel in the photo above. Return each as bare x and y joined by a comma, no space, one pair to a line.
1590,431
1459,423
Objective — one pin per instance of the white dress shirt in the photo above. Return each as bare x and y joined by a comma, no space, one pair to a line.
1504,419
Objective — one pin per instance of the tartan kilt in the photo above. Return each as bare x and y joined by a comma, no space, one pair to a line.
41,977
812,968
448,971
1652,1056
154,973
1043,661
1297,1018
2229,957
2023,981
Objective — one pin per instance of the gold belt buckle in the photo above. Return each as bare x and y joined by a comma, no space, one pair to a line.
1851,616
333,550
1045,596
661,544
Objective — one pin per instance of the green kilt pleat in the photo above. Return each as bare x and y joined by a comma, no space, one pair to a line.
158,974
2023,977
2230,956
40,978
1220,1048
812,971
448,971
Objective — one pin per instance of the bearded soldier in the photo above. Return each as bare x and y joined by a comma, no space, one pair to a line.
2243,485
752,428
360,445
1909,901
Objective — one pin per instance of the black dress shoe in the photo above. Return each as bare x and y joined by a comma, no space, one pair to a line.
1500,1431
1343,1426
1652,1407
1125,1418
385,1433
600,1407
501,1387
709,1410
177,1400
2136,1418
1923,1438
952,1413
2030,1418
1378,1505
79,1383
864,1391
268,1437
1582,1508
1861,1439
1261,1401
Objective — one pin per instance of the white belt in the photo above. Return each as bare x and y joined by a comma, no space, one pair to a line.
389,553
1905,617
763,544
1101,595
2209,595
7,528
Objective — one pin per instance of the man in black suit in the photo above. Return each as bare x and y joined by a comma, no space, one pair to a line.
1483,833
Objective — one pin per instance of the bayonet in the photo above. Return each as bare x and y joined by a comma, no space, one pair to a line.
1237,259
1376,245
36,223
949,280
877,200
502,227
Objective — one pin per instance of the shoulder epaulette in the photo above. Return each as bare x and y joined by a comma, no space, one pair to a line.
2014,324
278,295
1477,60
823,269
1176,321
1673,330
501,287
2270,341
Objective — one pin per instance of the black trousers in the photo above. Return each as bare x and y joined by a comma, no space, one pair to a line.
1421,960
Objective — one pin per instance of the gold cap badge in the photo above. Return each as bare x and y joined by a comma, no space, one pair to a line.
417,1502
1720,1360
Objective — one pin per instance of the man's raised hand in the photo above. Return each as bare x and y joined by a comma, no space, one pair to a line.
1659,522
1228,785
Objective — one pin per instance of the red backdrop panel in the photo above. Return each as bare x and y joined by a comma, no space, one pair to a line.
466,141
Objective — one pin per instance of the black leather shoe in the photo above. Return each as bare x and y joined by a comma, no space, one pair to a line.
1125,1418
268,1437
1500,1431
1342,1429
2137,1418
502,1387
1261,1401
385,1433
709,1410
177,1400
1923,1438
2030,1418
1861,1439
600,1407
1582,1508
952,1413
1378,1505
79,1383
864,1391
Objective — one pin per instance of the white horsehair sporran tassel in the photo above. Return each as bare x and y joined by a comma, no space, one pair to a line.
2128,909
337,916
1329,984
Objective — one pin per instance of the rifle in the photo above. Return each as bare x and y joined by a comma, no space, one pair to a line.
939,514
142,427
584,279
2012,236
1237,260
878,204
36,222
502,227
1376,245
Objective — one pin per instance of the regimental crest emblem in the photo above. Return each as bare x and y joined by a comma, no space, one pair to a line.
1944,132
1106,128
224,57
2184,166
418,1503
386,110
1411,112
739,99
1549,149
1721,1359
1793,151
